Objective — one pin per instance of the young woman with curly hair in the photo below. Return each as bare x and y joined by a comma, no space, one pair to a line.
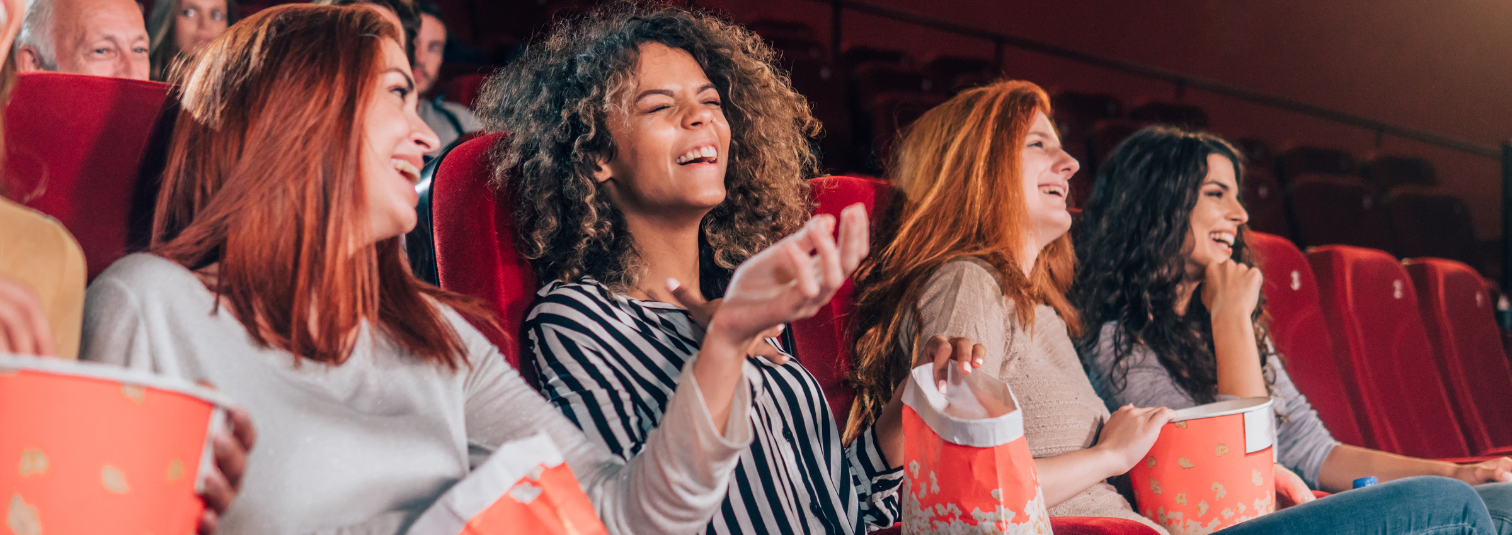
1168,283
651,150
276,274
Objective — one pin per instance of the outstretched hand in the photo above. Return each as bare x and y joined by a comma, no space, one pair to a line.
703,311
1129,434
791,279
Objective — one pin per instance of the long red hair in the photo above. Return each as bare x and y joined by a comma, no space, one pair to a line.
262,182
957,173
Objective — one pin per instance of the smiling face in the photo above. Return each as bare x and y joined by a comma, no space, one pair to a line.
1046,169
1216,219
197,22
672,141
394,140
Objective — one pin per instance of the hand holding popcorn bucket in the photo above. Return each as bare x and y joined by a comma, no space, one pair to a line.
966,463
524,487
1212,467
93,448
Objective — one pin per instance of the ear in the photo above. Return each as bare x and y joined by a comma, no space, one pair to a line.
27,60
602,172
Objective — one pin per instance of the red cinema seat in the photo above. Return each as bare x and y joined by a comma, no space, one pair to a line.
824,340
1457,312
1331,209
89,151
474,241
1301,335
1384,351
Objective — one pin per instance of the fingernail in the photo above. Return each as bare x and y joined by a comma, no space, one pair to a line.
672,284
942,387
781,327
979,362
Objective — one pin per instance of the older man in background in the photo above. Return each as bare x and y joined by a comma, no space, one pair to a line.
449,120
96,37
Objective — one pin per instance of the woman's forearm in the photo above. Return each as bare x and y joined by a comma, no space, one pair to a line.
1347,463
1239,372
1070,473
718,371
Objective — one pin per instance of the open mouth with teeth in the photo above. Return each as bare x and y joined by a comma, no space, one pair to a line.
1054,190
1225,239
407,170
704,154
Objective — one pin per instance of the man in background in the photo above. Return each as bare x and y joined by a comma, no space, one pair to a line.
95,37
450,120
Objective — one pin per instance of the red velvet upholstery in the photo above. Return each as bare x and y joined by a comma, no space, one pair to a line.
1331,209
1369,302
1457,312
824,340
77,149
474,237
1298,329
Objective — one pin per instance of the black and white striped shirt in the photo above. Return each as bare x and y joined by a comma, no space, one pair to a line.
610,363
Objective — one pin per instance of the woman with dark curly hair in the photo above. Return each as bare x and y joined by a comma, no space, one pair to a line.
652,150
1167,279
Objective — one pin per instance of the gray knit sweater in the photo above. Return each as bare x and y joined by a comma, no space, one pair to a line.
1062,413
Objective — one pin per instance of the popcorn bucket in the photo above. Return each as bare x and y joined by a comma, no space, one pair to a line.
1212,467
967,466
524,487
94,448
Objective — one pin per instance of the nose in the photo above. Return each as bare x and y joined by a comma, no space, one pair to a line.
1237,213
1067,165
698,115
130,66
422,135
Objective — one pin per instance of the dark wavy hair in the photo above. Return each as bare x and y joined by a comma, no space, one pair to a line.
1131,245
555,102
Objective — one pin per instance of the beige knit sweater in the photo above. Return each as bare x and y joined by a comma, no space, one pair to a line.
1062,413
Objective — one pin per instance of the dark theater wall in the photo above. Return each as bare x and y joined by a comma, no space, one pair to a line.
1436,66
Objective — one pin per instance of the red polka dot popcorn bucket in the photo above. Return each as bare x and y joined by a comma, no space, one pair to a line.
1212,467
94,448
524,487
967,466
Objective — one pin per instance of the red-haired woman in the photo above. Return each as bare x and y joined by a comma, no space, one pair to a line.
276,273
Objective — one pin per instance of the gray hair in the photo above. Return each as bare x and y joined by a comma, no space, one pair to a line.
36,32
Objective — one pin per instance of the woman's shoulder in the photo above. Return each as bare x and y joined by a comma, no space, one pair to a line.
967,275
147,274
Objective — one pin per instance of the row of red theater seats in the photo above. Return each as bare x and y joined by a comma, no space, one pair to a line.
1405,359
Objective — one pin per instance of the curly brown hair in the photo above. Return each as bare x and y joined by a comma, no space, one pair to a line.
555,102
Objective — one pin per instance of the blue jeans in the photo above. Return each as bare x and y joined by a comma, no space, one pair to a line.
1416,505
1498,498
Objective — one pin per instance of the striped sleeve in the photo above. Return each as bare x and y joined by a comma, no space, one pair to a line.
875,483
577,378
